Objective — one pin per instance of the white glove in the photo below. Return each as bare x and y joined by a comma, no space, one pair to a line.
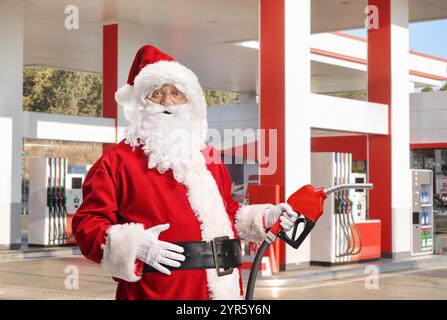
282,211
155,252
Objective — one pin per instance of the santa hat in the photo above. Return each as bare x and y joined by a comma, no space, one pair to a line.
151,69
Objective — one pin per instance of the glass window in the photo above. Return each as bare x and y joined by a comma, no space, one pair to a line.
436,160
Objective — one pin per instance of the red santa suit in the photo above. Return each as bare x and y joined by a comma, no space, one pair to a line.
123,196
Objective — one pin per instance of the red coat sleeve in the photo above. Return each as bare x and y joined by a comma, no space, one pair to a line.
98,210
95,225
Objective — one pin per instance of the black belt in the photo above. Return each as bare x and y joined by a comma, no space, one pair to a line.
221,253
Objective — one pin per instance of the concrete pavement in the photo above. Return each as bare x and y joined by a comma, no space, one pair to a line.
46,278
50,278
419,284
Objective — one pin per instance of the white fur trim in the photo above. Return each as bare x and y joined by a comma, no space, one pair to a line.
120,250
248,221
123,94
124,97
207,203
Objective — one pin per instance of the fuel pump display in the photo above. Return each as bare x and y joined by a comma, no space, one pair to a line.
73,201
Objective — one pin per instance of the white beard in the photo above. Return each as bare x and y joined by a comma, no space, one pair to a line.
170,141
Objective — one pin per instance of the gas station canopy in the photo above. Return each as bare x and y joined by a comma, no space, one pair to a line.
199,33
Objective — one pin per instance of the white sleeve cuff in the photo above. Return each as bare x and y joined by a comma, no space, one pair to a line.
248,221
120,250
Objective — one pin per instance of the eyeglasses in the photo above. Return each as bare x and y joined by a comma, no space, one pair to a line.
167,94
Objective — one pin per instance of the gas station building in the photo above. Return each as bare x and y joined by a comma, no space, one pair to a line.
285,57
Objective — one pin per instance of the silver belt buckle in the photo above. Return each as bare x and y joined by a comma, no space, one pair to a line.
220,271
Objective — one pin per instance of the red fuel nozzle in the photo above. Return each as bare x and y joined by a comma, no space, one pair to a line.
308,202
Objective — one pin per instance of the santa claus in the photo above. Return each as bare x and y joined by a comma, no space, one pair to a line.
158,212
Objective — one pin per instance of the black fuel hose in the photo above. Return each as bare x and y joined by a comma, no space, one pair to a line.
254,270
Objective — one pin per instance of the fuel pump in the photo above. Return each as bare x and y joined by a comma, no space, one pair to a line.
47,206
345,234
308,203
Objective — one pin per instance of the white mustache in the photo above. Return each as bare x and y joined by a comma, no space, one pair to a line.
152,108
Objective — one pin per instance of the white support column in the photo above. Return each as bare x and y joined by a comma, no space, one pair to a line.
297,101
400,129
11,121
128,45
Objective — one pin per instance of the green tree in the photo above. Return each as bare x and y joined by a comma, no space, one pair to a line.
216,97
80,93
63,92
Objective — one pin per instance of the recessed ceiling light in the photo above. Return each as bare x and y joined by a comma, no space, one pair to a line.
253,44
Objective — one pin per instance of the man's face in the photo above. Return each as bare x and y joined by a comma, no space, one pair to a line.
168,95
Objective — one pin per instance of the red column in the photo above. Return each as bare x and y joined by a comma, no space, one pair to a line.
272,93
109,76
379,146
